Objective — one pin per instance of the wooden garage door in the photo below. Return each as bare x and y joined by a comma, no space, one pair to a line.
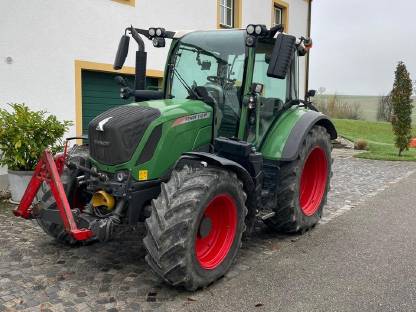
100,92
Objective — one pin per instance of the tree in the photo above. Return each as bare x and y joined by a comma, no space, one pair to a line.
402,107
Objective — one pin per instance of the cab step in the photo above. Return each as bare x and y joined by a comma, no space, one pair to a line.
265,214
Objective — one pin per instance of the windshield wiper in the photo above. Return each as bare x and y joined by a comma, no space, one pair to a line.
191,92
196,49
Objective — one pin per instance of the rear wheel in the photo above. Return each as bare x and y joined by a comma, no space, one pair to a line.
194,231
303,185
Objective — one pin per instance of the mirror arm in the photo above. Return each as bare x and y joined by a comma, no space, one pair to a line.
137,38
275,29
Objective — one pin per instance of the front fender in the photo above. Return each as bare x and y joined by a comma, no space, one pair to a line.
283,140
241,172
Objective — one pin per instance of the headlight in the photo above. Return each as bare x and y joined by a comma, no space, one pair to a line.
258,30
152,32
159,32
250,29
158,42
250,41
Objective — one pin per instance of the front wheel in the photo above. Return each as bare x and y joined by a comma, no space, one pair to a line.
303,185
195,228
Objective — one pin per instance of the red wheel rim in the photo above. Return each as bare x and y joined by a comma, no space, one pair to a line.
313,181
212,248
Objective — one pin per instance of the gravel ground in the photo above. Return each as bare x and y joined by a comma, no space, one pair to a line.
36,273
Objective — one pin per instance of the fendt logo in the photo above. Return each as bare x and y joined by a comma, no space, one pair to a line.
100,126
190,118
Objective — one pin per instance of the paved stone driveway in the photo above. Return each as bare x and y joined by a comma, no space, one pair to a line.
38,274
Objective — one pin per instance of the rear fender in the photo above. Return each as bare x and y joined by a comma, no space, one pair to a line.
284,139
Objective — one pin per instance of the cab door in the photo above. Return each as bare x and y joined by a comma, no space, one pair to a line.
275,93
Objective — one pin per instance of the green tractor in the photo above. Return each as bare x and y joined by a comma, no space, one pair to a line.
226,142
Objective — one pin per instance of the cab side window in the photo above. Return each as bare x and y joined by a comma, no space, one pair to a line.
275,91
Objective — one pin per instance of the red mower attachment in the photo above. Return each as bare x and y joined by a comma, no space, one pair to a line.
49,169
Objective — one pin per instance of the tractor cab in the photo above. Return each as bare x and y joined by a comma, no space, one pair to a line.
231,71
219,62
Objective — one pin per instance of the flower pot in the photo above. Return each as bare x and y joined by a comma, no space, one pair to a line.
18,181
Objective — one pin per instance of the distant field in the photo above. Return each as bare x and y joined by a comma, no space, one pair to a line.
368,105
379,136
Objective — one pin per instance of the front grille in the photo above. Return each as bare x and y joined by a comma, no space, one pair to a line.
121,132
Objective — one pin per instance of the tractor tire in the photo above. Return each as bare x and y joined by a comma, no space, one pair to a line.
54,230
79,155
195,227
303,185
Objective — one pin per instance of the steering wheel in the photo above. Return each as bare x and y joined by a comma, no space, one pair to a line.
221,80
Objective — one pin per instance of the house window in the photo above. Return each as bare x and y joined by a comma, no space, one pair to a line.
280,11
227,13
278,16
128,2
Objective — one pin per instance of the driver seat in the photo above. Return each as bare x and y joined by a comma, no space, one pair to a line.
230,108
207,98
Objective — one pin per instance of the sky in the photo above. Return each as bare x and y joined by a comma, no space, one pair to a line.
357,44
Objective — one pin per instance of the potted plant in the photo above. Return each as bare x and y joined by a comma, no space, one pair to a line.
24,135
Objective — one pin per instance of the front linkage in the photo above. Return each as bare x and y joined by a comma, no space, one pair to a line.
48,170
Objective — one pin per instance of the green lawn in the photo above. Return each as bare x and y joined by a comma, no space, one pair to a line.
379,136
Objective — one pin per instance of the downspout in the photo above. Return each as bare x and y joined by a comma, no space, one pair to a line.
307,55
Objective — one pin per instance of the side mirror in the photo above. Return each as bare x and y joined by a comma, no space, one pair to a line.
311,93
281,56
123,49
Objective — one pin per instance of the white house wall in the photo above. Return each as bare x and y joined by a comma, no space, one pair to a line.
45,37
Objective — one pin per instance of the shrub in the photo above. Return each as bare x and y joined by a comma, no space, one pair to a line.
25,134
361,145
402,107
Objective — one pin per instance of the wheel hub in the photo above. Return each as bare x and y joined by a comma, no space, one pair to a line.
216,231
313,181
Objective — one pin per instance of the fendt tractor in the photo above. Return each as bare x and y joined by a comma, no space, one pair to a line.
227,142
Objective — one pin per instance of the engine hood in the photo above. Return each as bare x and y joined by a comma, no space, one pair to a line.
115,134
174,108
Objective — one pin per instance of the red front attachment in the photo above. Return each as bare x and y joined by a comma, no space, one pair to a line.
49,169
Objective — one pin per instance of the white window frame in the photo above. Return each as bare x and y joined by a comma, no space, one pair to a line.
281,10
224,8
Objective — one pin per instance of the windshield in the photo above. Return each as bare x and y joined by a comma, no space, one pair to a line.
207,57
214,60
